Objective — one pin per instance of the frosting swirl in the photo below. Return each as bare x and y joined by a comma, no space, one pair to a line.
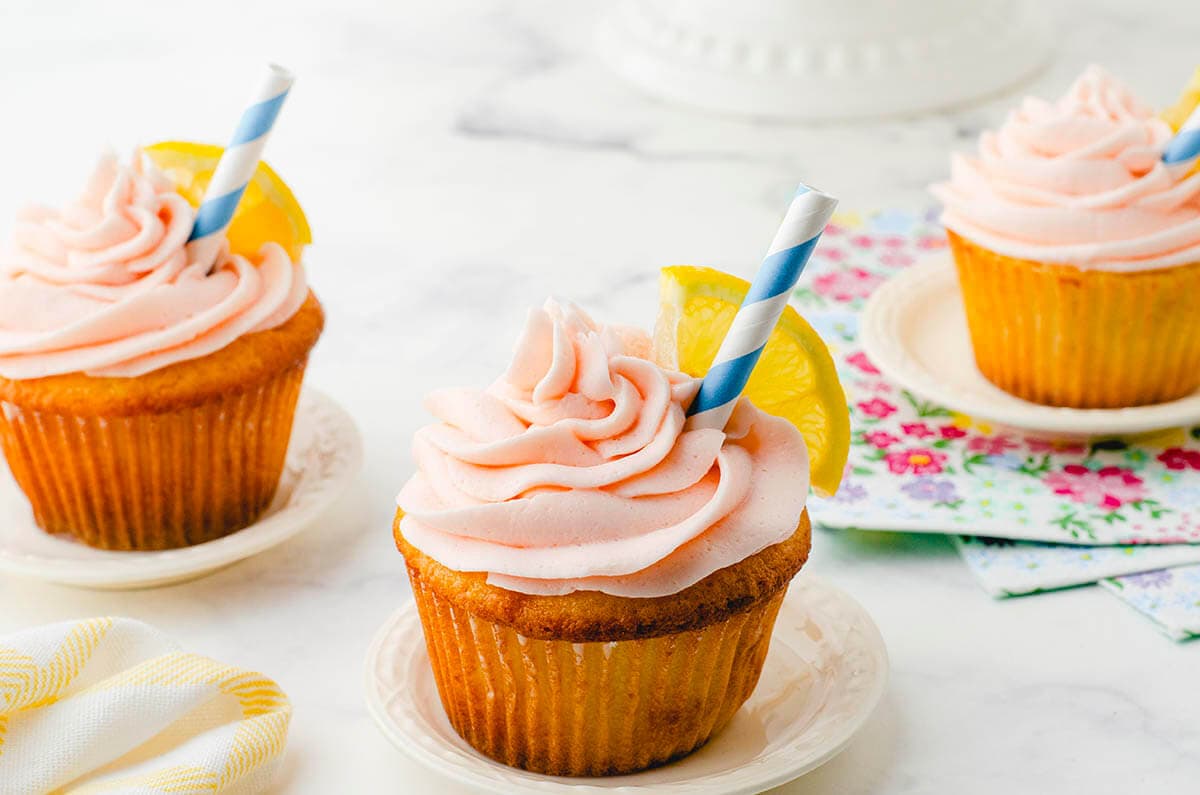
1079,181
105,287
573,471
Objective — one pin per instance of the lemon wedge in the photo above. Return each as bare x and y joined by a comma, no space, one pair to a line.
795,378
1177,114
268,211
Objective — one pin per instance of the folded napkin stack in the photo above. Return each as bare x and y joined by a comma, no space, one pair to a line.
1028,514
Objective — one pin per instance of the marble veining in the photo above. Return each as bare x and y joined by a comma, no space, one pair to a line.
461,161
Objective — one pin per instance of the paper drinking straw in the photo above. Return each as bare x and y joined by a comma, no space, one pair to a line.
1184,149
760,311
237,164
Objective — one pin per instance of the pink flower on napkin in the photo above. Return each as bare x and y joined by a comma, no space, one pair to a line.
917,460
1179,458
859,361
917,429
1109,487
882,387
877,408
951,432
991,445
847,285
880,439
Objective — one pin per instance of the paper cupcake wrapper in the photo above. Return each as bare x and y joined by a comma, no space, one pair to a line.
154,481
1060,336
590,709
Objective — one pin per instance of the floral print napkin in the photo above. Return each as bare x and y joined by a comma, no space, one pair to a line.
918,466
1011,568
1168,597
1051,513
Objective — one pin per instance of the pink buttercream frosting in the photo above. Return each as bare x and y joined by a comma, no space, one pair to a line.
105,287
1079,181
573,471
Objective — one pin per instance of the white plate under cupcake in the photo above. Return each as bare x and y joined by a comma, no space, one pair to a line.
324,456
824,675
914,329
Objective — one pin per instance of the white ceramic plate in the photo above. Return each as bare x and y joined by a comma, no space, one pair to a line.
824,674
914,329
323,457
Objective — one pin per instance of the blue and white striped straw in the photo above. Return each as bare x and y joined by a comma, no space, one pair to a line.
236,166
1184,149
806,218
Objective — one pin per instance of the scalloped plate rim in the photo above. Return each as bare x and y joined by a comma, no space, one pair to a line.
109,570
480,766
888,350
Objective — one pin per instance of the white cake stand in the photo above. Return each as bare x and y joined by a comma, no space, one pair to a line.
815,59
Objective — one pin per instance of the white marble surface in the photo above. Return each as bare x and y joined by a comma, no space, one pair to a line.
462,160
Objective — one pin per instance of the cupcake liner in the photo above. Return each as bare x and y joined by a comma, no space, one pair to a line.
590,709
1061,336
154,480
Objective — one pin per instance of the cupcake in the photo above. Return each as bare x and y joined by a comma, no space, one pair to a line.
1078,252
146,402
597,584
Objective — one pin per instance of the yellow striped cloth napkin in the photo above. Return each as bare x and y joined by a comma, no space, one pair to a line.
110,705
